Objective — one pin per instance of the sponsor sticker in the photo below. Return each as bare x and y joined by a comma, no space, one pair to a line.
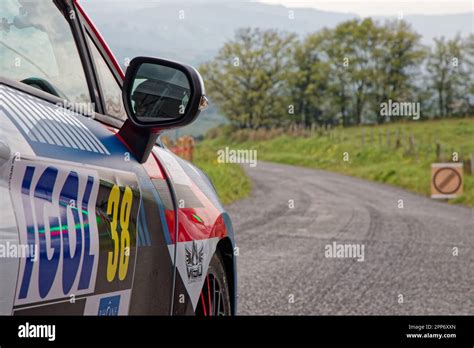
55,209
193,259
109,306
81,222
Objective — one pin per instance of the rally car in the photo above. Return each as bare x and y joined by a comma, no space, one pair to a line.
97,217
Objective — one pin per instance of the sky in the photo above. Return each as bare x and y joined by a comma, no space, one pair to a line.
382,7
359,7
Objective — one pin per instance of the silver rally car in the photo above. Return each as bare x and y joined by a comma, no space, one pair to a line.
96,216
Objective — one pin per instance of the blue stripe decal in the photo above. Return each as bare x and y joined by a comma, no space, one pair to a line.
139,231
146,233
161,207
228,226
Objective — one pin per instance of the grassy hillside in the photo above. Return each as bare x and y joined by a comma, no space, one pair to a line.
397,154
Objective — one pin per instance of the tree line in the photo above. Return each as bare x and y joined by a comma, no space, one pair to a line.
267,78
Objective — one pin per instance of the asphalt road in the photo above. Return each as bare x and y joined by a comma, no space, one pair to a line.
408,266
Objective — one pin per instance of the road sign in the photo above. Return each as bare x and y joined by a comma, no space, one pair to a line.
446,180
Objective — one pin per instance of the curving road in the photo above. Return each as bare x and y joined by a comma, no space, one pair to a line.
408,266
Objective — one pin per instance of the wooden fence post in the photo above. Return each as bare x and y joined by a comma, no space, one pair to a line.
411,143
438,152
397,139
472,163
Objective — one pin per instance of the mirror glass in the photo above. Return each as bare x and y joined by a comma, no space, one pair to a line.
159,93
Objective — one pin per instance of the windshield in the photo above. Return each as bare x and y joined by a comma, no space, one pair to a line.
37,48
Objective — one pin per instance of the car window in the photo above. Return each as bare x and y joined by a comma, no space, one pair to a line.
37,48
111,90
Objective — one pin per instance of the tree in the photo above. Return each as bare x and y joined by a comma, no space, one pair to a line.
371,63
247,79
267,78
336,49
468,68
350,55
309,80
397,60
446,74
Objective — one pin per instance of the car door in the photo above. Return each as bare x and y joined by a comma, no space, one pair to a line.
154,273
84,207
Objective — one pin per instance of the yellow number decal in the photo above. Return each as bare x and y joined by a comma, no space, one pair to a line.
112,209
122,245
125,236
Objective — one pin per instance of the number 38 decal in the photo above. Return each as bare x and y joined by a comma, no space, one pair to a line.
119,208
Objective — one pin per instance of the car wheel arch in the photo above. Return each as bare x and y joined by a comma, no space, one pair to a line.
225,249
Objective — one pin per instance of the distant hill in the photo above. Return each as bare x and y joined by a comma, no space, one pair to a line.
156,29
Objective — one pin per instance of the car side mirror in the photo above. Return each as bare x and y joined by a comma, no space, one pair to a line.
158,94
162,93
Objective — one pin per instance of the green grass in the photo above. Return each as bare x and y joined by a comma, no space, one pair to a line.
407,166
230,180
